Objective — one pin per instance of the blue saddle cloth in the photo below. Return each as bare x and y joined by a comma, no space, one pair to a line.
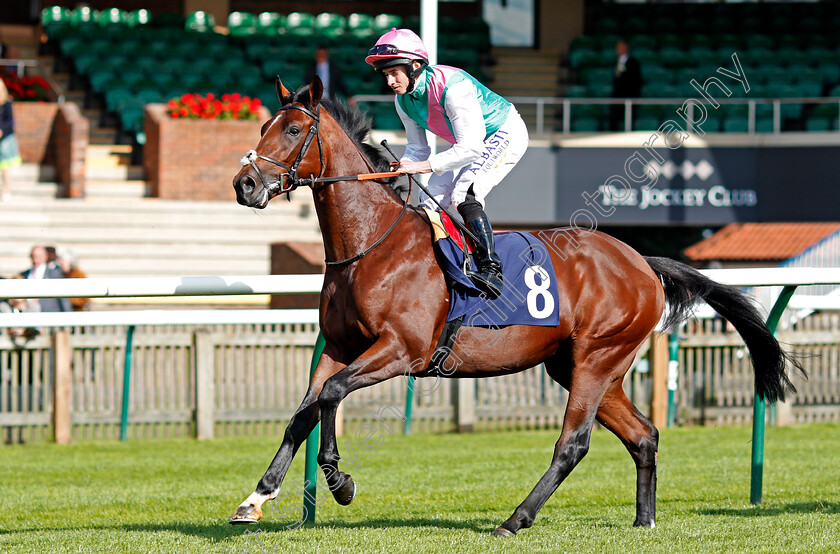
529,296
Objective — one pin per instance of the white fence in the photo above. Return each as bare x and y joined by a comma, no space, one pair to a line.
256,362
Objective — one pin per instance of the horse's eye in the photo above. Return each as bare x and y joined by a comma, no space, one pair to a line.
294,130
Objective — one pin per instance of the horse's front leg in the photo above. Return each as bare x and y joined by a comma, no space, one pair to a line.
301,424
387,358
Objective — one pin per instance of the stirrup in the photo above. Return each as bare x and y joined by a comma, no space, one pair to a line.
488,281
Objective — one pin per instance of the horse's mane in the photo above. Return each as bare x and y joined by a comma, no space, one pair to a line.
357,125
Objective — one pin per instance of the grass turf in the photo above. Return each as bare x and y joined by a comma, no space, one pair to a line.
425,493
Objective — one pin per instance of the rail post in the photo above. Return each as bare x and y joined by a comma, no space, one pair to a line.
673,375
757,465
129,340
310,472
62,383
409,403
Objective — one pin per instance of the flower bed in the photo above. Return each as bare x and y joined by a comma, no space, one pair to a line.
26,89
227,106
195,158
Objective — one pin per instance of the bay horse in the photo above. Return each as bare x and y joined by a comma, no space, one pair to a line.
384,304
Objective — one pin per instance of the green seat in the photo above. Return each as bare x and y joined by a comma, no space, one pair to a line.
54,18
270,23
820,124
113,16
360,25
585,124
83,17
137,18
300,24
599,76
584,56
764,124
735,125
599,91
200,22
330,25
576,91
241,24
383,22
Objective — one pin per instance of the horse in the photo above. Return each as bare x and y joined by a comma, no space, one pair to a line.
383,305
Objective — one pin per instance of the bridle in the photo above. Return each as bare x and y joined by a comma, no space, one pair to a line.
293,181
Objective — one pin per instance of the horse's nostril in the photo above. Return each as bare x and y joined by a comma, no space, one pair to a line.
248,184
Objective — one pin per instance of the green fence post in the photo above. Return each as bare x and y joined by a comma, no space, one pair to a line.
409,401
757,465
129,340
310,472
673,375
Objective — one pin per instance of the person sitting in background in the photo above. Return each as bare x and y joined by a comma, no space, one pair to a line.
41,270
68,266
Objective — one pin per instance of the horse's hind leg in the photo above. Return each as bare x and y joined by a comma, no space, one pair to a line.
584,396
641,438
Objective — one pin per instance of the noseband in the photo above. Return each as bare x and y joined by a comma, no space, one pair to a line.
293,181
291,175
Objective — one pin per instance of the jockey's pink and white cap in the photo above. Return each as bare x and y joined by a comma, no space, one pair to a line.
406,44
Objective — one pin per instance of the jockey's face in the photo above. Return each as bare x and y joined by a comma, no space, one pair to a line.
397,78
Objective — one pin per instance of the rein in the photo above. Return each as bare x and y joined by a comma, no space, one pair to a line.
293,181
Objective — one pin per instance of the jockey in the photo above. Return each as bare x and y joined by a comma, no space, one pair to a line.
487,134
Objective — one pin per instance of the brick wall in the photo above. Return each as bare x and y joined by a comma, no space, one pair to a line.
54,135
34,129
194,159
72,131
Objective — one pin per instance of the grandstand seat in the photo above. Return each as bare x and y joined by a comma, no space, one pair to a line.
300,24
360,25
139,17
241,24
646,124
200,22
54,17
330,25
83,17
820,124
599,91
735,125
576,91
270,23
599,76
585,124
383,22
113,16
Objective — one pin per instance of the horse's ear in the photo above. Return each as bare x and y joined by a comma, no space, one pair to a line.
316,90
282,92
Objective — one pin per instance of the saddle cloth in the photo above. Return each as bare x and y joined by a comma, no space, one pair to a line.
529,296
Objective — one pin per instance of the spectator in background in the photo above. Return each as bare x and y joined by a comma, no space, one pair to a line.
627,83
330,75
9,151
41,270
67,263
51,257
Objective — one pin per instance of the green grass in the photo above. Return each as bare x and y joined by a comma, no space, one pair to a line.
426,493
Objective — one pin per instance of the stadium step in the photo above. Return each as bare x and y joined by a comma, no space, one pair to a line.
115,231
526,73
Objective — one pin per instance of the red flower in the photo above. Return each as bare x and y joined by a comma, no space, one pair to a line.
209,106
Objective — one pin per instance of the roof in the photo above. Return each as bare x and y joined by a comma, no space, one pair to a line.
761,241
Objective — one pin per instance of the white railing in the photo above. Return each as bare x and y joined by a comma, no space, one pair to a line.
545,125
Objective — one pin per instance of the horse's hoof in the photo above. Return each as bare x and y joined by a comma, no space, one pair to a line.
346,493
502,532
245,514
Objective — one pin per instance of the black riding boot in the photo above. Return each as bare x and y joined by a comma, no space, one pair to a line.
488,278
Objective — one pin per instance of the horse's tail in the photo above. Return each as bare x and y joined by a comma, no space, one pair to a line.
684,286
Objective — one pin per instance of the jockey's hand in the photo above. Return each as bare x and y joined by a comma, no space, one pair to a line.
411,168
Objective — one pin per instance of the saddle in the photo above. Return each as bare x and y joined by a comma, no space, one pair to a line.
529,296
